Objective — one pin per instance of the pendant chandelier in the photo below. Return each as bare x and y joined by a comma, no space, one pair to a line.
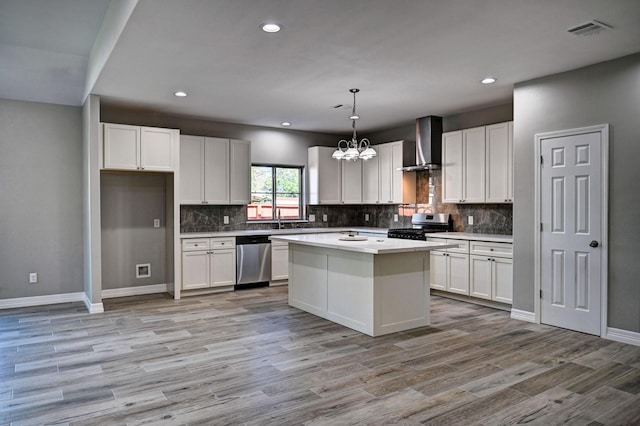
353,150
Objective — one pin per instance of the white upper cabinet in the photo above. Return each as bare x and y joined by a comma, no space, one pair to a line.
395,186
239,172
191,169
157,149
214,170
370,180
473,172
139,148
351,181
477,165
385,163
325,176
499,160
452,167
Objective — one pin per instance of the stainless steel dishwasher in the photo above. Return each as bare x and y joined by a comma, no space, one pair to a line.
253,261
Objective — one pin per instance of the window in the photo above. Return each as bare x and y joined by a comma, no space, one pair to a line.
275,192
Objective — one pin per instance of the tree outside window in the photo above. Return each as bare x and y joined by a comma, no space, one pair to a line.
275,192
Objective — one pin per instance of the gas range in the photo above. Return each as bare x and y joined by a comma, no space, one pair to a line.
423,224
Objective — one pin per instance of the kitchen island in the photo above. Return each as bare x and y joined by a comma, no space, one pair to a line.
373,285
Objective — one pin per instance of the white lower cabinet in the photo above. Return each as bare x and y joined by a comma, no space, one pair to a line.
476,268
208,262
491,267
279,260
449,268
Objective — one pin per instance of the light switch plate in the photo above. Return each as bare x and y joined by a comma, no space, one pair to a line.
395,217
33,277
324,217
470,220
312,218
366,217
225,219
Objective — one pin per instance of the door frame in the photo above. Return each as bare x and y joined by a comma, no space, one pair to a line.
603,129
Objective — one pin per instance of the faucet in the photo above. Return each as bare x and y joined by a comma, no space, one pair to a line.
279,220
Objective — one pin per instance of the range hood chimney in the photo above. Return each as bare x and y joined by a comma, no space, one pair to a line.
428,144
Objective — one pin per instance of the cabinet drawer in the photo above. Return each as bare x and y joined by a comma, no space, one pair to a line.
437,240
279,243
217,243
195,244
484,248
463,246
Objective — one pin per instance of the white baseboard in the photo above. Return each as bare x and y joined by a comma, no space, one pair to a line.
623,336
133,291
527,316
23,302
93,308
474,300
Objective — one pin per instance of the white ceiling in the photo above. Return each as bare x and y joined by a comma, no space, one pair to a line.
409,58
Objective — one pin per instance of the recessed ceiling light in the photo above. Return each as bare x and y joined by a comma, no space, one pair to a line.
180,94
271,28
354,117
488,80
286,123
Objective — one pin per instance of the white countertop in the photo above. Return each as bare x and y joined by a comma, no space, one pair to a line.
498,238
288,231
372,245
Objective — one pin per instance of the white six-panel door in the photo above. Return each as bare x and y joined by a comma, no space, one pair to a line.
571,260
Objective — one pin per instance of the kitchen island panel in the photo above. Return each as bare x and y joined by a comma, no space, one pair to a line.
401,289
373,294
308,269
349,290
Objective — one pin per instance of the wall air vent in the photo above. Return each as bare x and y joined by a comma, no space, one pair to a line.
589,28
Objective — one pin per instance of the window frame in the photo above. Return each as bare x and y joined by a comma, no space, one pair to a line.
273,168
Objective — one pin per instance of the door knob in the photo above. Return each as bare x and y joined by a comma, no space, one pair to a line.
593,243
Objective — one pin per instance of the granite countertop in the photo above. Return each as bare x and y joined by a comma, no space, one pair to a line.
497,238
371,245
288,231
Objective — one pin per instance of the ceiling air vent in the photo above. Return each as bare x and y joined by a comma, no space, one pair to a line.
589,28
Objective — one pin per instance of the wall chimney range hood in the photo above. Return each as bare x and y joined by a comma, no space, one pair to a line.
428,144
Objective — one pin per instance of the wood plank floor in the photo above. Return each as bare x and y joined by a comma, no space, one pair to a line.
248,358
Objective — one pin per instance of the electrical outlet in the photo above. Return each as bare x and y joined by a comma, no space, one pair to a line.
324,218
33,277
225,219
156,223
366,217
312,218
395,217
470,220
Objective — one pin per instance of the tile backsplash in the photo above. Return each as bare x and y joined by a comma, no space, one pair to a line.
487,218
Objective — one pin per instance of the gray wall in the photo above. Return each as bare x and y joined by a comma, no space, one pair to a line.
465,120
603,93
268,145
129,203
41,199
